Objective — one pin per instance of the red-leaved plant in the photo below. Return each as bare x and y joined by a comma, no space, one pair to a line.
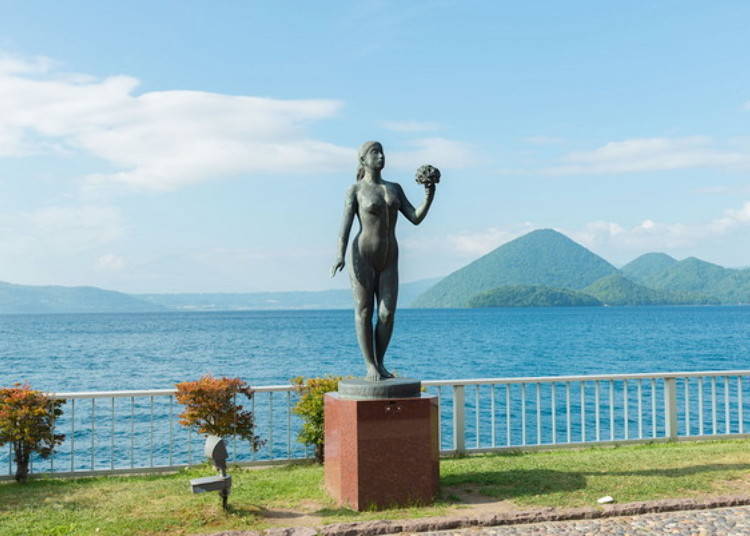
27,422
211,408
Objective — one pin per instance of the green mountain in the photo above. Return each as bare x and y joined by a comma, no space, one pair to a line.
648,266
544,257
690,274
734,288
616,289
55,299
531,296
694,275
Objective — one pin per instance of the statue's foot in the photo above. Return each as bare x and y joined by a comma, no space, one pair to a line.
384,374
373,375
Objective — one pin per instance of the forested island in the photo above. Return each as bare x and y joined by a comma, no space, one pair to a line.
531,296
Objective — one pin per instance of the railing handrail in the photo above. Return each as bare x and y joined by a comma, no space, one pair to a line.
432,383
590,377
154,392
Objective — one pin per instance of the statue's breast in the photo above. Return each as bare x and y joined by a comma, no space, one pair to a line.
391,201
379,201
374,206
391,198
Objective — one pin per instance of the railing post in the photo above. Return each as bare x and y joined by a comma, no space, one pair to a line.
670,408
459,424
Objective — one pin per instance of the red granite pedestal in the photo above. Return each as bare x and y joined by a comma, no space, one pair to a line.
381,453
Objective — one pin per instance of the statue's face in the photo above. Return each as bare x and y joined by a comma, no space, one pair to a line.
374,158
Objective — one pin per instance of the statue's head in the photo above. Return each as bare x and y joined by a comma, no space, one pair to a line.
370,156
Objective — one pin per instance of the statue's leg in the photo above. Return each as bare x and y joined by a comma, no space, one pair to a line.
363,277
387,292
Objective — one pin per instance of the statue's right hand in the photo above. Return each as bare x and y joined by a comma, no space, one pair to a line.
337,267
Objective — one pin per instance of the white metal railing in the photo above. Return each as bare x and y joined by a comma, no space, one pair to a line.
559,411
137,431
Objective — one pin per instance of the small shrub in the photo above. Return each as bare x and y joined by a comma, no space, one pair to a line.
211,408
310,408
27,419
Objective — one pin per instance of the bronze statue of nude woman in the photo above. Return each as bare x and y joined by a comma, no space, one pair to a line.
374,258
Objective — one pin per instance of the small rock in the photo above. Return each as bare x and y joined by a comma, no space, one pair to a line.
605,500
291,531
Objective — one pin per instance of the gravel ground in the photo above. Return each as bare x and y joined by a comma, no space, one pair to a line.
715,522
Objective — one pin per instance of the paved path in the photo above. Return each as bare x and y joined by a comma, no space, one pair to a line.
716,522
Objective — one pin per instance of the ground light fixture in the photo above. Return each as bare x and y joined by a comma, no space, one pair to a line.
216,450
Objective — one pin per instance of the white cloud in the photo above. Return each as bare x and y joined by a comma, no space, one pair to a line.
439,152
159,140
227,269
410,126
57,244
460,246
14,65
650,154
478,243
650,235
732,218
69,229
110,262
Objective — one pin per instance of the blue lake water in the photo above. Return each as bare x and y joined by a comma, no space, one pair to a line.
150,351
154,351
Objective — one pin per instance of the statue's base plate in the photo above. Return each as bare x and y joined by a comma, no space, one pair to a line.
361,389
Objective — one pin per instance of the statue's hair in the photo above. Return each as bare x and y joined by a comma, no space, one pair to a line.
366,146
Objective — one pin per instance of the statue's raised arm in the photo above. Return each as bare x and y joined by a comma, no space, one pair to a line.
428,176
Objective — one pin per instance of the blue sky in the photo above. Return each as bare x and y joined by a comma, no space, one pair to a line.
197,146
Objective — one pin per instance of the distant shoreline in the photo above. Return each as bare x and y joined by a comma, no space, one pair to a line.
350,309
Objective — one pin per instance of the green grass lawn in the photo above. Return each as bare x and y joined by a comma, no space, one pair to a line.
292,495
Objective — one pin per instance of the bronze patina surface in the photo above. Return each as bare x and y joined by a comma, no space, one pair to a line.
373,269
